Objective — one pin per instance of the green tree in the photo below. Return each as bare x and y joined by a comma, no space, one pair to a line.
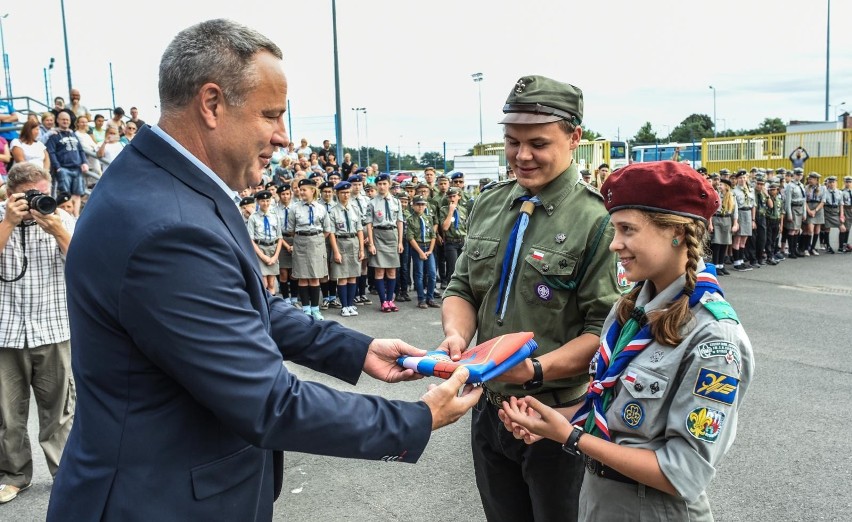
432,159
693,128
771,126
645,135
589,134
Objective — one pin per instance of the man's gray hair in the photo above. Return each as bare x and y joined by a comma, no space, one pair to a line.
23,174
215,51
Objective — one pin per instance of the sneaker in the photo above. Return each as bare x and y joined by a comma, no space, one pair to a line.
9,492
422,304
353,311
805,254
814,252
742,268
385,307
345,312
317,315
432,304
324,304
829,250
755,264
771,262
366,300
392,307
724,271
335,303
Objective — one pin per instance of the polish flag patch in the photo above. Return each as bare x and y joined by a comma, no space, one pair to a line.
538,256
631,377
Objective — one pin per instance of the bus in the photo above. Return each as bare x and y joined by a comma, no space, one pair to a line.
690,152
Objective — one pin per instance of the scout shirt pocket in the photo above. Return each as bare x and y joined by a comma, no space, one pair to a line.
543,272
638,405
482,266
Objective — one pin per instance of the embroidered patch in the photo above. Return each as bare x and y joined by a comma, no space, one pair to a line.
538,256
716,386
630,377
705,424
633,414
657,356
543,292
379,213
721,349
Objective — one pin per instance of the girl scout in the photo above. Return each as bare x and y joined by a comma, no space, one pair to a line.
265,231
745,218
723,225
347,247
309,224
673,367
289,290
384,228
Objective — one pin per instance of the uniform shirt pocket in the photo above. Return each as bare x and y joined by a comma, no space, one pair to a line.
482,255
544,275
639,404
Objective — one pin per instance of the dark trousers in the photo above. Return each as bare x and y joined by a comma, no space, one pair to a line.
403,275
773,227
520,483
759,238
441,261
452,251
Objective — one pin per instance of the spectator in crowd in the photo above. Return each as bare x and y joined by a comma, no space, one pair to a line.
110,147
63,201
28,148
130,129
68,160
8,120
90,148
304,149
76,107
5,157
346,166
325,151
99,130
292,153
35,351
117,120
134,117
59,107
47,127
798,157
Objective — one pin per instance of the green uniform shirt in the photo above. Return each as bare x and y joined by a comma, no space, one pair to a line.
412,228
559,236
453,232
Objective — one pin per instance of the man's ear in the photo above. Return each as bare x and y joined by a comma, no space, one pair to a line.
211,104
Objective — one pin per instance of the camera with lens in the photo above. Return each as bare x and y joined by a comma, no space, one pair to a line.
40,202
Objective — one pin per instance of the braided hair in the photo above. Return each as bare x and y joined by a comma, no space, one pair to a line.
666,324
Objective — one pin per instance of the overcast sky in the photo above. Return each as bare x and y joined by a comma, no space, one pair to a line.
410,62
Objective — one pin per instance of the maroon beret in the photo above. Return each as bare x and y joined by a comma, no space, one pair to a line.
668,187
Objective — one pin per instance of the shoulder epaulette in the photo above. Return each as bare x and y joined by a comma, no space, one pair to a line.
721,309
592,189
495,184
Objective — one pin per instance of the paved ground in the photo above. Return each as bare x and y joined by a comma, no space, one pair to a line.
792,459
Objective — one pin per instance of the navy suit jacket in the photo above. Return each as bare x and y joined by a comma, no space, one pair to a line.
178,357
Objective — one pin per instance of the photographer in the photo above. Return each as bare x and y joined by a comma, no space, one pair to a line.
35,337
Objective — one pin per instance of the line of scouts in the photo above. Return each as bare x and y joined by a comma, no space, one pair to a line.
316,246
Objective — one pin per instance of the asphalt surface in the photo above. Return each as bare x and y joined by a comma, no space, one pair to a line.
792,459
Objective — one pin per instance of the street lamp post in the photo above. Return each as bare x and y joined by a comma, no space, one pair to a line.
65,37
399,153
714,110
837,109
358,131
8,80
477,78
366,134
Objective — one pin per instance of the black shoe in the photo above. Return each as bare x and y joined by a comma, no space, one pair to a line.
754,264
742,268
771,262
724,271
829,250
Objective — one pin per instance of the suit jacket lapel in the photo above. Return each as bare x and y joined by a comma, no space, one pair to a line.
158,151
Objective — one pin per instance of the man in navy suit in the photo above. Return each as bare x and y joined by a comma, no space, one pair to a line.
184,402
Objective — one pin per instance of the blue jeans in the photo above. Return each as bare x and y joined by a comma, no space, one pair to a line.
418,273
70,180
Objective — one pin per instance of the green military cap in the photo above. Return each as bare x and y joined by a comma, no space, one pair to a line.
759,178
537,99
813,175
798,170
714,176
442,176
780,170
418,200
484,181
370,186
847,178
831,178
422,186
402,195
453,191
774,186
724,172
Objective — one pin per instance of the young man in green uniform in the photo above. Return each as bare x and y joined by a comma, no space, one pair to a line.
545,269
452,224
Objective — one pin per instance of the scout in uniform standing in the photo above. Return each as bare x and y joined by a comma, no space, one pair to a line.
384,228
289,287
310,224
535,259
361,202
815,197
403,275
762,204
452,222
774,217
794,211
833,211
673,368
724,224
746,210
247,207
846,218
347,247
265,231
329,286
420,234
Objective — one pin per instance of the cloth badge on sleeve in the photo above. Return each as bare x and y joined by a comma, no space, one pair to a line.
716,386
538,256
705,424
630,377
544,292
720,349
633,414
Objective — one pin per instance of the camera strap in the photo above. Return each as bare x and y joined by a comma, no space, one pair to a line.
24,252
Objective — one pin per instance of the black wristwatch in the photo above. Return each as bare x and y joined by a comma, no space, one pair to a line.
571,445
538,377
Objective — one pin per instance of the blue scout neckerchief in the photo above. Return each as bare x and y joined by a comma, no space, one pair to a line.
513,248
